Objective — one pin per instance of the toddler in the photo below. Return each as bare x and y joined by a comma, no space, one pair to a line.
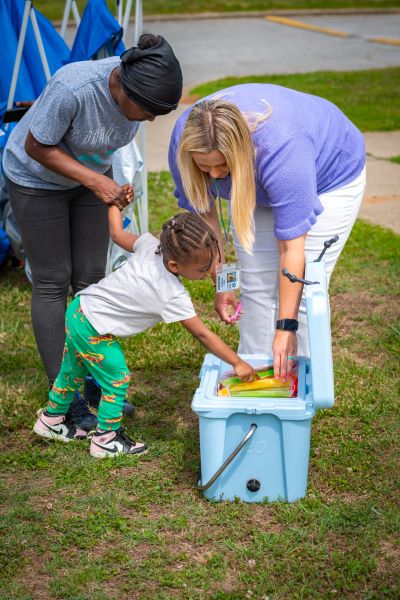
144,291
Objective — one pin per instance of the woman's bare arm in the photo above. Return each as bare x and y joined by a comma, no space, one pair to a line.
57,160
292,258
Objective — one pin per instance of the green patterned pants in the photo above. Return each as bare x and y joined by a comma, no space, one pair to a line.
86,352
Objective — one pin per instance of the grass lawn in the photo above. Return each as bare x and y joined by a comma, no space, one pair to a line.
366,97
53,9
76,529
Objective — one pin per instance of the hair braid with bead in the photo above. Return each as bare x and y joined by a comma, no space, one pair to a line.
185,236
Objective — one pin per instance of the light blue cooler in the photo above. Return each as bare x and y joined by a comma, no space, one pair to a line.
257,449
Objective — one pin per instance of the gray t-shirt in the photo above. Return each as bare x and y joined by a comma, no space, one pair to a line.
76,112
138,295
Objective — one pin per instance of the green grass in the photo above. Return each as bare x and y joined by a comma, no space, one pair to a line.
395,159
76,529
53,9
365,96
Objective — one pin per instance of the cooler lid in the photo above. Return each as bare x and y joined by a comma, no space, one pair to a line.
319,335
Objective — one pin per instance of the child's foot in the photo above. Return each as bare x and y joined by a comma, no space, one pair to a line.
58,427
113,443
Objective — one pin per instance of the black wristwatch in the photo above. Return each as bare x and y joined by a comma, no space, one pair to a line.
287,324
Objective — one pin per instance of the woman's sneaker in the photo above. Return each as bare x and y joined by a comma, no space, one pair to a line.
113,443
58,427
92,396
80,414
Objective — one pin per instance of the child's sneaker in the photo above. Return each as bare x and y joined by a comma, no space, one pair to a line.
58,427
113,443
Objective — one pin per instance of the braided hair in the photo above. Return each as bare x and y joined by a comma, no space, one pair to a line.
185,236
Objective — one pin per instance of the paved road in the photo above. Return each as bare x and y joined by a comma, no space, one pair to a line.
362,26
213,48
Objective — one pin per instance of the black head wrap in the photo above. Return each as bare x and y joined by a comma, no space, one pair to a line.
152,77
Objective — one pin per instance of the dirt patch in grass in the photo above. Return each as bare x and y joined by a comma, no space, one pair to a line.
138,551
355,315
25,481
389,556
16,440
210,523
34,576
363,303
117,587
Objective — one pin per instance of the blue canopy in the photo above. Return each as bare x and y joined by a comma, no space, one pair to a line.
98,33
31,79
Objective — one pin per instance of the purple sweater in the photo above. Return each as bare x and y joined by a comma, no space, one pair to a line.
307,147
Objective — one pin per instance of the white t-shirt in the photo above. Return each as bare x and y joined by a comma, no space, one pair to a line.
138,295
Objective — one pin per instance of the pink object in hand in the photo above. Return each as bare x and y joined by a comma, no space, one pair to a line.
236,313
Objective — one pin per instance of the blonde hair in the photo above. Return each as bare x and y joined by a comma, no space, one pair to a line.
219,125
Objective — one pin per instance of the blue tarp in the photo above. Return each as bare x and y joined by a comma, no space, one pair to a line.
31,80
5,246
98,30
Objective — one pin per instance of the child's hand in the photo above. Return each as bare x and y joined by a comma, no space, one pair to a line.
128,191
245,371
110,192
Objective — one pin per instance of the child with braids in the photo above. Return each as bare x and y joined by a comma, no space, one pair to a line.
144,291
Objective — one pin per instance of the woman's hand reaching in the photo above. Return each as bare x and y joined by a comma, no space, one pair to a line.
284,348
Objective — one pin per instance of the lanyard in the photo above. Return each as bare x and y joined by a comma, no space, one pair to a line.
227,275
221,216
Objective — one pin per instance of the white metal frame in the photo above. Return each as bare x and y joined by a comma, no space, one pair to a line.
142,205
69,5
122,16
29,12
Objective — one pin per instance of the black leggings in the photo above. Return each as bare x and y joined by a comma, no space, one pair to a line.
65,238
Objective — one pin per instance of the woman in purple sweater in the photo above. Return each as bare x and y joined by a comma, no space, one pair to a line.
293,169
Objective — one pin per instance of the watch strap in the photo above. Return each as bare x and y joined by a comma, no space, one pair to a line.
287,324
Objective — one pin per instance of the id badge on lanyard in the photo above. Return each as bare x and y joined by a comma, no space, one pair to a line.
228,278
227,274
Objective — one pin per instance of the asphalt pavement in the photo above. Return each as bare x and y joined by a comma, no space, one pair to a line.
212,48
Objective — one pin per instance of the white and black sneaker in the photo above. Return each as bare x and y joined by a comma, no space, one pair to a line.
113,443
58,427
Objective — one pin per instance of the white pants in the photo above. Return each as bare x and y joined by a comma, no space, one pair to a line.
259,293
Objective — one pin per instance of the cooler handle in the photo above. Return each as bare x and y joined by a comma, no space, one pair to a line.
230,458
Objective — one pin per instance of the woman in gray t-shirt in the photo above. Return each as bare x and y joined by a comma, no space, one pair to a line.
58,167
